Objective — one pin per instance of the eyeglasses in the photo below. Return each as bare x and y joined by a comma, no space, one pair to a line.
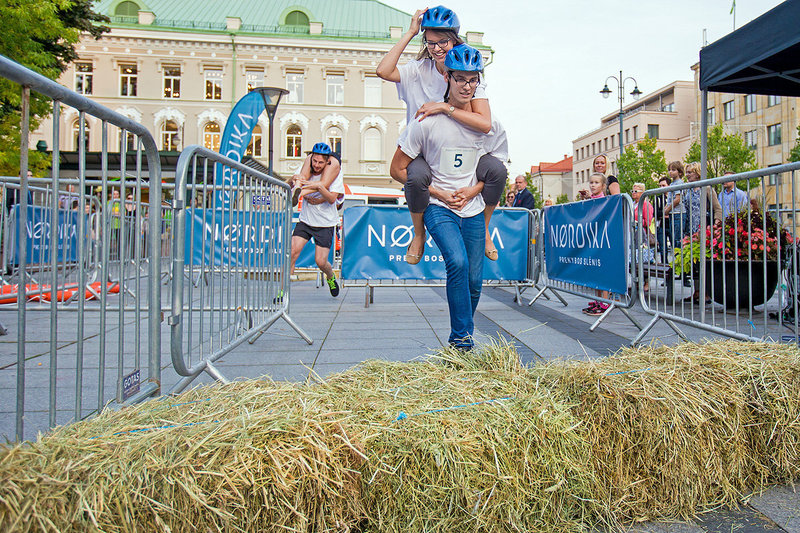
433,44
461,82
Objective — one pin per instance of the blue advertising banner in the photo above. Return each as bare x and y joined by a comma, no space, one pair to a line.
37,235
238,238
584,244
234,142
376,238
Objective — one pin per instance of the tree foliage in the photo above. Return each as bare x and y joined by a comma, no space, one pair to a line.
794,155
726,153
40,35
643,164
562,199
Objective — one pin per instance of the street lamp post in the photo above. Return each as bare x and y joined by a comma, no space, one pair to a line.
272,97
636,93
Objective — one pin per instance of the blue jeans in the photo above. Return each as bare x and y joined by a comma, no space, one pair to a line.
462,242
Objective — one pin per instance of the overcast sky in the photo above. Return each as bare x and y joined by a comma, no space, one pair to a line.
553,56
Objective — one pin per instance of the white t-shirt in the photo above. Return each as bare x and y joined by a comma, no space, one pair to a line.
324,215
452,151
421,83
496,141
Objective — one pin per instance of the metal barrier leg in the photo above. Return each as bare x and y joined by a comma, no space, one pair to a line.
652,323
297,328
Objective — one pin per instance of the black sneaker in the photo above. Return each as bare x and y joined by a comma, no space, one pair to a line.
279,298
333,286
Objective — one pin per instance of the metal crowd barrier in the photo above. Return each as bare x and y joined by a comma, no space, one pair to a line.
731,292
232,242
95,351
532,268
623,301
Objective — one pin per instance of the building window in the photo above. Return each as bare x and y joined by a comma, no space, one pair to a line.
76,135
751,139
128,75
335,89
773,100
372,92
213,77
127,9
130,142
612,142
652,131
712,115
772,179
334,139
605,143
296,18
749,103
372,144
169,136
255,148
627,136
773,134
254,78
294,141
727,110
294,84
172,82
636,133
83,78
211,136
668,108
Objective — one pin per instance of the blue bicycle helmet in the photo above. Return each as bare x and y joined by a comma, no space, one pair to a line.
440,18
464,58
321,149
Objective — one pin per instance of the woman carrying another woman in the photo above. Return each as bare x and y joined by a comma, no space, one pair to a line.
421,85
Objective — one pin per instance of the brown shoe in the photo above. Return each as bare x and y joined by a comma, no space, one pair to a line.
491,254
413,259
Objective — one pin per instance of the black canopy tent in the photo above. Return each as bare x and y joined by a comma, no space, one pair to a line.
762,57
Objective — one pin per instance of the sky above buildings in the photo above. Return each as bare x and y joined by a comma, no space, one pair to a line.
552,57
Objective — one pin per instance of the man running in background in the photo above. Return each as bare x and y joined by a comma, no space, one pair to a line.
319,216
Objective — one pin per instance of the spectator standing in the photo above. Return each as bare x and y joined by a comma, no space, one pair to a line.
510,199
673,208
732,199
597,189
602,166
523,198
693,199
647,224
662,222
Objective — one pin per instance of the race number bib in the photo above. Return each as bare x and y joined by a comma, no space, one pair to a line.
457,161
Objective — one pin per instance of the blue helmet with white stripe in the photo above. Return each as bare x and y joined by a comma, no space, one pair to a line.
440,18
464,58
321,149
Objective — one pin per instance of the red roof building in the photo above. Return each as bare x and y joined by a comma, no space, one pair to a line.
554,179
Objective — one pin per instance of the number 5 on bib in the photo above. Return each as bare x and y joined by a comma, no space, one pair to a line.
457,161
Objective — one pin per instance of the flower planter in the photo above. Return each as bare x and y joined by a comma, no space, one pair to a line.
731,277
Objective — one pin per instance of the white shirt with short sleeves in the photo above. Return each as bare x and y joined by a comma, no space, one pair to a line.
324,215
421,83
452,151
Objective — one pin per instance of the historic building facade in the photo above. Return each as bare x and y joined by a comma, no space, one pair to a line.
179,67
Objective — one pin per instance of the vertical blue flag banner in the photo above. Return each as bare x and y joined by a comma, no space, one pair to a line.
234,142
376,238
585,244
37,235
234,238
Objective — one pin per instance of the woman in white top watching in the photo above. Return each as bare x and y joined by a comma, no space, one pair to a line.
421,85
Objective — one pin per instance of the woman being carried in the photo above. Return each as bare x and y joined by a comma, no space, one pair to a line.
421,85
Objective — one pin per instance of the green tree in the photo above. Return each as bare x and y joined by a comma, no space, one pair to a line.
794,155
643,164
562,199
726,153
40,35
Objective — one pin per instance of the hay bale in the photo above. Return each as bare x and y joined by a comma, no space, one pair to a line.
484,444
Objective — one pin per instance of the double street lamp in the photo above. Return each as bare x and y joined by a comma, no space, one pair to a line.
272,97
636,93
